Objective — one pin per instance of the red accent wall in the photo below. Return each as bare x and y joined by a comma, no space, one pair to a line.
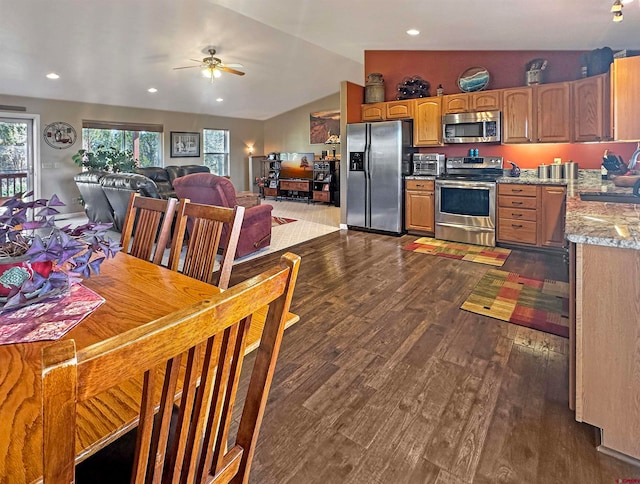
507,69
587,155
355,98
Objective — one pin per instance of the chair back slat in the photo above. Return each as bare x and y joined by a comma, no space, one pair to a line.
204,226
147,227
212,335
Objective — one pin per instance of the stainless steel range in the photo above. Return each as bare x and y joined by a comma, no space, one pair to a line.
466,200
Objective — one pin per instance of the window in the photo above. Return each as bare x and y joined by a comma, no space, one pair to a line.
145,141
216,151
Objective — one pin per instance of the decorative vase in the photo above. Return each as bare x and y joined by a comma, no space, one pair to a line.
15,270
374,88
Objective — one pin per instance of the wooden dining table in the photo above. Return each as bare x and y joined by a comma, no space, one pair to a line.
136,292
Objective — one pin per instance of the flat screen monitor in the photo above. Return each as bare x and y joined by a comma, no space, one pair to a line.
296,165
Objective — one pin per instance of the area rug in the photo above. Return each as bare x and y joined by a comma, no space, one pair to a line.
494,256
534,303
275,221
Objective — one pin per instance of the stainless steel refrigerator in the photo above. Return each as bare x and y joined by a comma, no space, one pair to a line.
379,154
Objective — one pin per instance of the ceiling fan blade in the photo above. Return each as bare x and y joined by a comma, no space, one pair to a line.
185,67
231,65
231,71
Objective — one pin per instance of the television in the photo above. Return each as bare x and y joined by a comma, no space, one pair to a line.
296,165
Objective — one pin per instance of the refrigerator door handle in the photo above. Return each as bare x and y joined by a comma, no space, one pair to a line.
367,176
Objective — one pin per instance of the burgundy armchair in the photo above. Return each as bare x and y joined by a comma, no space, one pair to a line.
210,189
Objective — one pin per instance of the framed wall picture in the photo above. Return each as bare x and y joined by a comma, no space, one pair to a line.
184,144
323,124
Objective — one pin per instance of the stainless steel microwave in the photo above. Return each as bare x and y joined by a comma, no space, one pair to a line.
482,127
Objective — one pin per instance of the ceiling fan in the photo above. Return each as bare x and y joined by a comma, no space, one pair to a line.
212,67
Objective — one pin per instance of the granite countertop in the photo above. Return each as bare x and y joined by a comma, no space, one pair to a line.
596,223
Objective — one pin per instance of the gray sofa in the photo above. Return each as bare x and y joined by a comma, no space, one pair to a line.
106,195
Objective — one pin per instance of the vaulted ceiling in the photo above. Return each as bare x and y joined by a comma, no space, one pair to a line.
293,51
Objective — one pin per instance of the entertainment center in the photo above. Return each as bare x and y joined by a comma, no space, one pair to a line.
299,176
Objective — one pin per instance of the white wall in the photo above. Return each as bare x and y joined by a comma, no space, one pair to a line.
58,168
289,132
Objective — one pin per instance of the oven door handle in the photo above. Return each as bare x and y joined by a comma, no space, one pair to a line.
465,184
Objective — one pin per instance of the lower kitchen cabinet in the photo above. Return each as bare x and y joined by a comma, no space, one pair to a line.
552,204
531,215
605,344
420,206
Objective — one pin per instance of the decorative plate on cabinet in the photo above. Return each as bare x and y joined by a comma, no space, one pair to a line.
473,79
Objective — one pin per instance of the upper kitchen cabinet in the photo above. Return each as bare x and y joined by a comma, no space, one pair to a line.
486,101
517,115
427,121
552,112
470,102
374,112
456,103
625,88
399,109
590,98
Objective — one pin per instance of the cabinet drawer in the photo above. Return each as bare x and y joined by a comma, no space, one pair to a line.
301,186
520,231
321,196
519,190
517,202
428,185
270,192
517,214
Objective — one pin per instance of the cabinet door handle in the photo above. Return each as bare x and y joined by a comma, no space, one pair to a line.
515,226
516,189
516,203
516,215
420,186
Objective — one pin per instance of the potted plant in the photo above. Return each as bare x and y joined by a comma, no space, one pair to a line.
107,159
38,258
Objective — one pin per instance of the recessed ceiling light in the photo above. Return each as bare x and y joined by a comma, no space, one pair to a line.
152,89
413,32
219,99
53,75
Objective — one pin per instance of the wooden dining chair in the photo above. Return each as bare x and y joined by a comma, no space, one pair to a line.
211,335
147,225
206,225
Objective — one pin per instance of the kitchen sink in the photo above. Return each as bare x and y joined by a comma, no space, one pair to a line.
609,197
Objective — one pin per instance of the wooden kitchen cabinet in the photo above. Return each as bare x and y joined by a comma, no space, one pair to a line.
486,101
590,98
374,112
456,103
606,336
420,206
553,103
399,109
517,115
625,93
552,205
427,121
531,215
517,214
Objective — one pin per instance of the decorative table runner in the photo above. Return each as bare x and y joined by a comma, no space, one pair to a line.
50,319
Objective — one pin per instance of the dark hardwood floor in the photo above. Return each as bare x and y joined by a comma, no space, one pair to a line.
386,380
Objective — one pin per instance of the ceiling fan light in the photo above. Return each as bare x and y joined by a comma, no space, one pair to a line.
616,7
207,73
216,73
617,17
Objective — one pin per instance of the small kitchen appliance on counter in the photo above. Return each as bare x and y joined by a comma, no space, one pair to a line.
430,164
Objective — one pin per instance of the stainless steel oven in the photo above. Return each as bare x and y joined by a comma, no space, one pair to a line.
466,211
466,200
